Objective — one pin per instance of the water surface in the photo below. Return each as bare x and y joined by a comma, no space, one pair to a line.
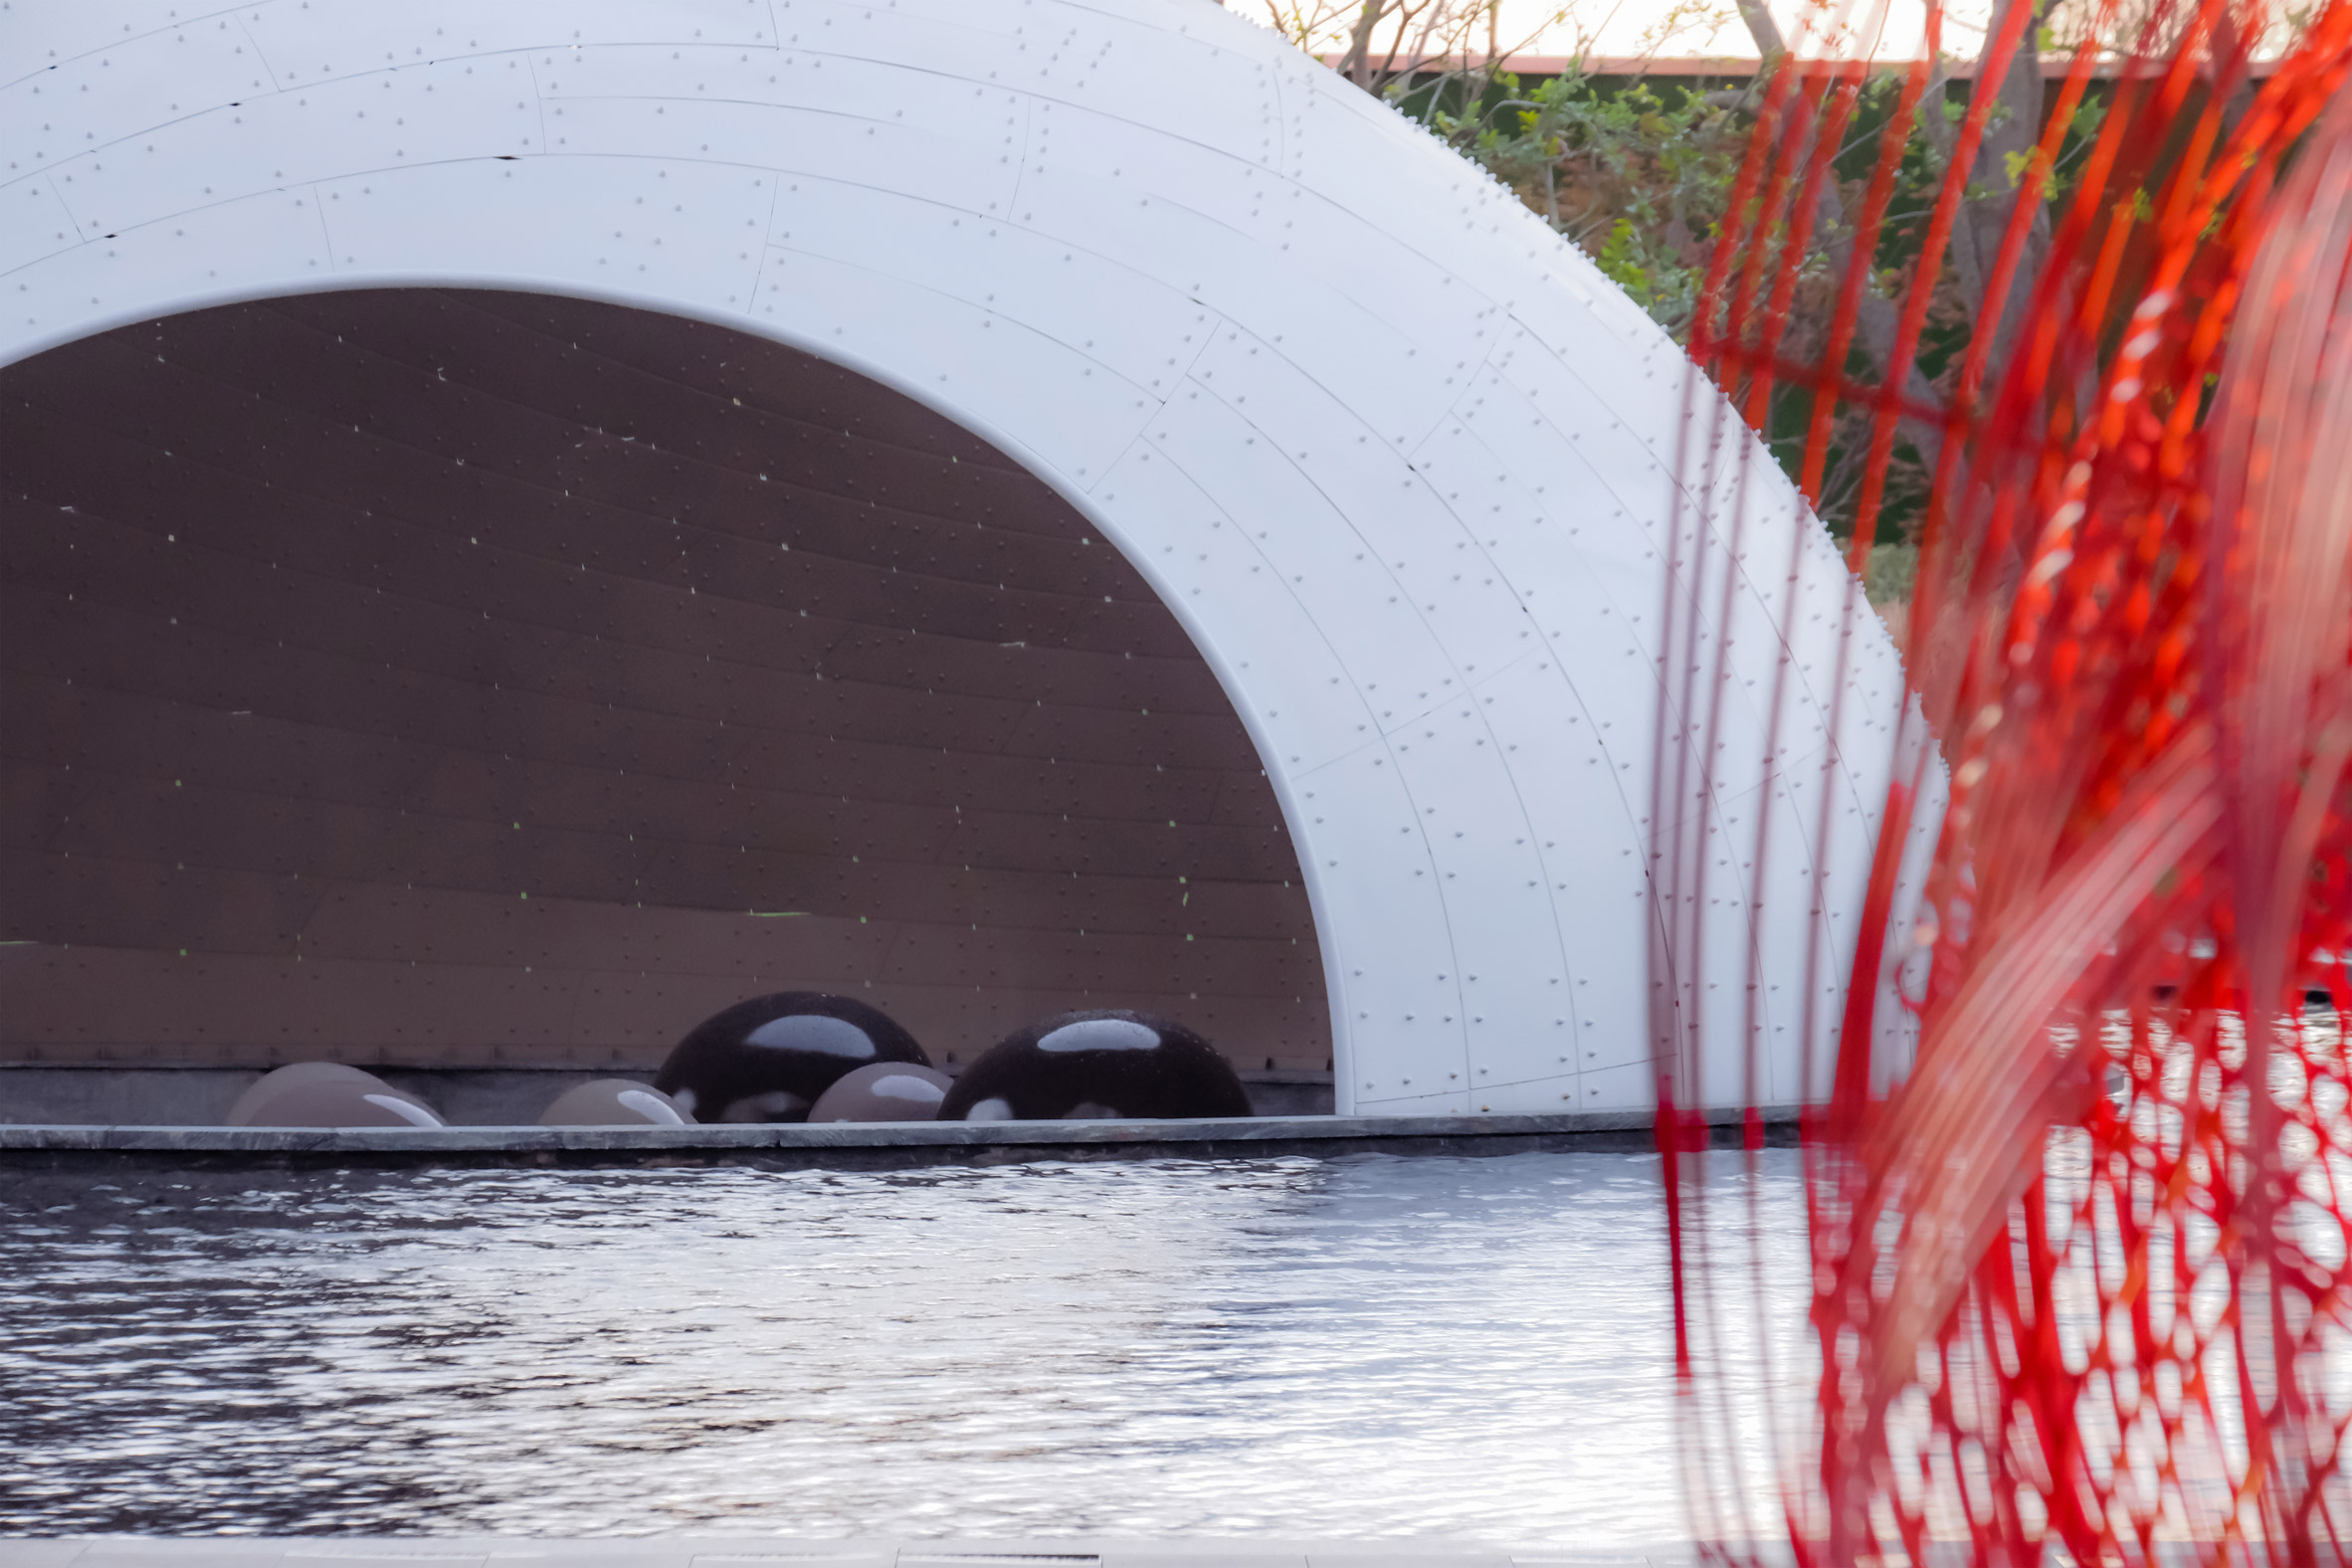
1302,1347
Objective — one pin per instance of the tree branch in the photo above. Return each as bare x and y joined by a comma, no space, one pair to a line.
2007,143
1877,320
1356,63
1764,30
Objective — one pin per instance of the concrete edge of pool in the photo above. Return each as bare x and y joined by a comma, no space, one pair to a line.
739,1551
755,1551
899,1142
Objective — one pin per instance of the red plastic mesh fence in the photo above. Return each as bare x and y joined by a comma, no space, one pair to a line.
2079,1282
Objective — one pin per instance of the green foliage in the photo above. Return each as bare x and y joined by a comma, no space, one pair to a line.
1892,571
1637,177
1641,175
1621,260
1643,179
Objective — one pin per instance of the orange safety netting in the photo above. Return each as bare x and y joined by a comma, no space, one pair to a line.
2079,1282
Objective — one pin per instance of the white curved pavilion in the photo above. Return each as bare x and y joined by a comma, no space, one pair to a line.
1393,457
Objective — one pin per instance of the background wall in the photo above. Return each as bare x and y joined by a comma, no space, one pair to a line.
437,677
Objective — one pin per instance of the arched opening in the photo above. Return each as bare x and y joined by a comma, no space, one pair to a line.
437,679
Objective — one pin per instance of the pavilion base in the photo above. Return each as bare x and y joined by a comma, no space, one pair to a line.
852,1144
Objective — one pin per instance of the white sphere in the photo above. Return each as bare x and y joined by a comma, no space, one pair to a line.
328,1095
612,1102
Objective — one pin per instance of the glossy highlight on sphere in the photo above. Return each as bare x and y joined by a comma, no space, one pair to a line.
772,1058
1094,1065
328,1095
884,1091
613,1102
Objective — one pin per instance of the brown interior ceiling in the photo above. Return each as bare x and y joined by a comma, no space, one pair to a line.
424,678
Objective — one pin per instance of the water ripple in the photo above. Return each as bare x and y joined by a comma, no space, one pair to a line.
1361,1346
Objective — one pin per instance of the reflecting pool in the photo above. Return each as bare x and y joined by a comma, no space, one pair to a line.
1365,1346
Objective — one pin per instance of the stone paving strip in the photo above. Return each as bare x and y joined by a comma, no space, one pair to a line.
116,1551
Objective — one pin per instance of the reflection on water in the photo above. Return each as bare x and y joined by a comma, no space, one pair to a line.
1363,1346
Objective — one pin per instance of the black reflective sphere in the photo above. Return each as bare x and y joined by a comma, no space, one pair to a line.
769,1059
1088,1066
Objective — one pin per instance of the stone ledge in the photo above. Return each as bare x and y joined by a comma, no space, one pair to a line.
915,1142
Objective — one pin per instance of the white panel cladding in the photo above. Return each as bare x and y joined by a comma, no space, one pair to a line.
1223,586
675,229
1786,880
1902,970
1341,584
1405,524
275,238
1249,280
1074,412
94,101
1583,817
307,43
33,222
1048,286
1576,396
1487,862
1616,1089
804,127
1181,86
1383,921
35,39
1403,463
1709,965
1839,879
393,119
1235,193
954,43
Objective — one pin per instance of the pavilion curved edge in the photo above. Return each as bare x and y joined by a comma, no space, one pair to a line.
527,524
